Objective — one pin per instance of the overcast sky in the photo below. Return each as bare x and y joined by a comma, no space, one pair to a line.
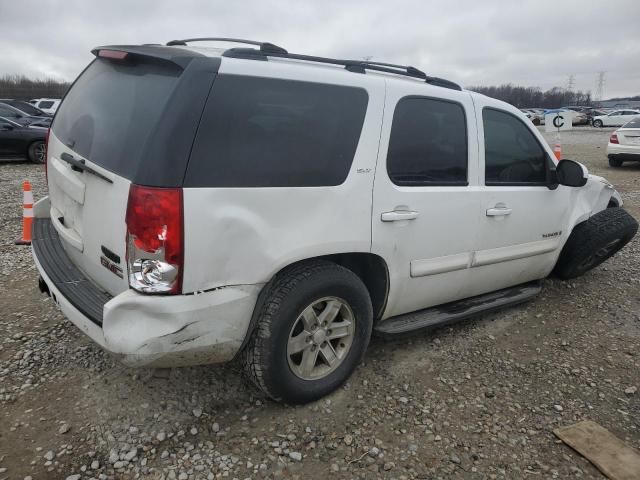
532,43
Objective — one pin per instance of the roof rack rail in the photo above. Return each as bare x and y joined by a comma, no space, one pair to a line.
357,66
265,47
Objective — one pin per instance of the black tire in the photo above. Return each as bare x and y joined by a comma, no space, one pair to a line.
597,123
595,240
614,162
265,359
37,152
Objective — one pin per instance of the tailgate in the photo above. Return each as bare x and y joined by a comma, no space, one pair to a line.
130,117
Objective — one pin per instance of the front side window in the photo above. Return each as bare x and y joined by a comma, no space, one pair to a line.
428,143
512,154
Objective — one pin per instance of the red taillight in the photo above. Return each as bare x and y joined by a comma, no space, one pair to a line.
155,239
613,138
46,156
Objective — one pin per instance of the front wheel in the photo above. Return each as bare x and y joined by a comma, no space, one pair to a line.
595,240
314,322
597,123
37,152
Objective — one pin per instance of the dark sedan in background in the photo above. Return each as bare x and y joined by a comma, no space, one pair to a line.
19,116
19,141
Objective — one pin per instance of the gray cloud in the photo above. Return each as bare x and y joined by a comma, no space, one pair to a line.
533,43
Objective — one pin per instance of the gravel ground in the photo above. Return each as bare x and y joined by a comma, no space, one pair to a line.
477,400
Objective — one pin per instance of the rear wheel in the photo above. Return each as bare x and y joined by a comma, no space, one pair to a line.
314,324
37,152
597,123
595,240
615,162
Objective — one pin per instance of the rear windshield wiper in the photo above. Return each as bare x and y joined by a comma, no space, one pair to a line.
79,166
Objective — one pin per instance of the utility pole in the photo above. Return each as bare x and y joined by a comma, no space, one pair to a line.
571,81
600,86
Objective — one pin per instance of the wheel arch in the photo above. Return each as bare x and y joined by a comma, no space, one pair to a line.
369,267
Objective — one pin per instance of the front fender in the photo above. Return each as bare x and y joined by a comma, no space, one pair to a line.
593,198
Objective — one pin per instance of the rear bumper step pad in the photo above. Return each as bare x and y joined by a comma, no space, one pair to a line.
66,277
456,311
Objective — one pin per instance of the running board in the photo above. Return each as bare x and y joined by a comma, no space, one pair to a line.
456,311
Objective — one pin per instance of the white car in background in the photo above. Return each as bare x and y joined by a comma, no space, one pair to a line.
615,118
624,144
47,105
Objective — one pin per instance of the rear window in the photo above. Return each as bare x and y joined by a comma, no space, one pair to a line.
262,132
635,123
111,111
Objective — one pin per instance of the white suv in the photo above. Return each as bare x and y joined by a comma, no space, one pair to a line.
206,204
47,105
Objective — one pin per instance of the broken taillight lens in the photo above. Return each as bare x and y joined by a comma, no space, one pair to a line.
155,239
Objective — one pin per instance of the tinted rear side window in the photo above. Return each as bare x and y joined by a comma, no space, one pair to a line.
46,104
112,109
262,132
428,143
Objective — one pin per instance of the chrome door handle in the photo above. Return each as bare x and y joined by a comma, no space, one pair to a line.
498,211
397,215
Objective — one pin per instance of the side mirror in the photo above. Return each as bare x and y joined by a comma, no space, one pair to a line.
572,174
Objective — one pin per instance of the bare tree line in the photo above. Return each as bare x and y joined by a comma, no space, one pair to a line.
523,97
23,88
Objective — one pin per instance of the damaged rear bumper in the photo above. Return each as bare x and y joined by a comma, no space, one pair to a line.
143,330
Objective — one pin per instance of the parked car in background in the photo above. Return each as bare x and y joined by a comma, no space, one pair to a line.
48,105
531,115
25,107
20,117
624,144
577,118
539,112
597,113
20,141
580,114
615,118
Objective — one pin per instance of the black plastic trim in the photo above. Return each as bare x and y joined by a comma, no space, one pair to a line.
165,159
72,284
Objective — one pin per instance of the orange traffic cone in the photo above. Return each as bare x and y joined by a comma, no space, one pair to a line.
557,151
27,214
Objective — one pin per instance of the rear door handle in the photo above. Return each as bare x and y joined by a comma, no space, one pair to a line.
498,210
397,215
